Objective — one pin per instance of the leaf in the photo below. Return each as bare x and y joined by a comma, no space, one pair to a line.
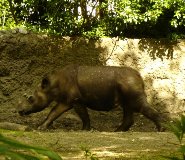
17,145
172,158
50,154
20,156
176,130
8,152
182,149
183,123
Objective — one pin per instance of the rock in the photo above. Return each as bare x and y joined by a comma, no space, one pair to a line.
23,31
14,31
13,126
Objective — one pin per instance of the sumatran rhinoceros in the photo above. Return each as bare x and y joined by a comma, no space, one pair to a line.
96,87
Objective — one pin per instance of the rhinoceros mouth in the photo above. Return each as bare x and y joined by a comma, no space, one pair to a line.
24,112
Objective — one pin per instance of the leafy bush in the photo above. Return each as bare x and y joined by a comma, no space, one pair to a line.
95,33
88,154
6,18
153,18
131,18
15,150
178,129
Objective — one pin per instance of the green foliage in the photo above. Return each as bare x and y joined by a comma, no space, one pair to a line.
95,33
88,154
15,150
178,129
154,18
94,19
6,18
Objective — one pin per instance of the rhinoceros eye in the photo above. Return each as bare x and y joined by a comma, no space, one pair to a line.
45,83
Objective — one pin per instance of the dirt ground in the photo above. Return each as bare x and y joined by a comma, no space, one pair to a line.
73,145
66,138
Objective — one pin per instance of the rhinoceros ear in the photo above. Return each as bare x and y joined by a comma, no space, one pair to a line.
45,83
30,99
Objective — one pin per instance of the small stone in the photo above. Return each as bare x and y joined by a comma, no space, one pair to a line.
14,31
23,31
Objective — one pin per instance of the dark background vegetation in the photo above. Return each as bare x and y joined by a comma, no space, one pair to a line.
97,18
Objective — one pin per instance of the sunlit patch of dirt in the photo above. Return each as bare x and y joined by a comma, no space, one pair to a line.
73,145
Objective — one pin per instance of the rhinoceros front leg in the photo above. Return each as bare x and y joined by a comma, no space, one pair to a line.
53,115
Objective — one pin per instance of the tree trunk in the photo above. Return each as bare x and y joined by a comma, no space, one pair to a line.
12,11
103,10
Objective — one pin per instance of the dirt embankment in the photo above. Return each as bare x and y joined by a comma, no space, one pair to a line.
26,57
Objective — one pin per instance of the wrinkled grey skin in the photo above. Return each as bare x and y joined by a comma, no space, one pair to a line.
97,87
